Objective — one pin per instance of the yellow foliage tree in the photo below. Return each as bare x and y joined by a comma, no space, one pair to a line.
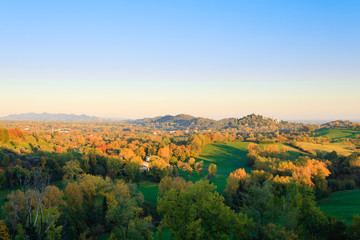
4,231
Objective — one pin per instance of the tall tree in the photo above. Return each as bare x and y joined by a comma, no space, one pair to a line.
198,212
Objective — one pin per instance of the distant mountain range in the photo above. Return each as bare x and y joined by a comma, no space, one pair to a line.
181,121
61,117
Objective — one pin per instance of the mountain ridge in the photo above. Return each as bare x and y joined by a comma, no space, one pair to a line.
61,117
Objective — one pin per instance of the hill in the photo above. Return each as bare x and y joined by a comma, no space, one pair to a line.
341,124
336,133
178,122
61,117
250,123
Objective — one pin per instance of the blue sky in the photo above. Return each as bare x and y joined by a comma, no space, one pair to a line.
287,59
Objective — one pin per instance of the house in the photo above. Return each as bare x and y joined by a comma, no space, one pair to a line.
145,167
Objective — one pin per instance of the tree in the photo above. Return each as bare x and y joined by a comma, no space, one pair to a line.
4,231
74,210
54,169
2,178
236,189
192,162
125,215
53,197
71,170
43,162
212,169
6,160
198,212
199,166
4,135
164,153
355,228
27,210
238,178
158,168
114,167
168,183
132,171
82,211
261,206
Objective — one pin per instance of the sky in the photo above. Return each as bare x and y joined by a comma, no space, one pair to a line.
292,60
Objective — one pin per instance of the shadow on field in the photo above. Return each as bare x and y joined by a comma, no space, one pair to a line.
222,152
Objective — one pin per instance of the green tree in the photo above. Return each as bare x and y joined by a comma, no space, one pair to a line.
261,206
125,214
71,170
26,210
5,161
355,228
198,212
212,169
2,178
132,170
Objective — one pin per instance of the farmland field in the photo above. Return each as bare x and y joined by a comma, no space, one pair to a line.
343,205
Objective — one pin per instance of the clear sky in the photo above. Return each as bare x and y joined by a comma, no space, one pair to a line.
284,59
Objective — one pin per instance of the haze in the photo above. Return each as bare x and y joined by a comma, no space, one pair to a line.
288,60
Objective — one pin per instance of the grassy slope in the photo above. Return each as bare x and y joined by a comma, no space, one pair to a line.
227,157
336,133
293,153
340,148
343,204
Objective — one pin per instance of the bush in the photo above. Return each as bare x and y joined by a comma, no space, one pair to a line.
2,179
350,184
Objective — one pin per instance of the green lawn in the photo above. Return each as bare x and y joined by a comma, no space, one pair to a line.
336,133
149,190
343,205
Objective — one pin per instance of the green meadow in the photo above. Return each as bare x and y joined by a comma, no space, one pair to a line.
341,148
227,157
149,190
336,133
343,205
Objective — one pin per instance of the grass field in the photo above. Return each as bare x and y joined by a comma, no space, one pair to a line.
227,156
336,133
343,205
149,190
340,148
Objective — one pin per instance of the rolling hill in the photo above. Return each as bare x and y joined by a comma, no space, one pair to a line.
256,123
